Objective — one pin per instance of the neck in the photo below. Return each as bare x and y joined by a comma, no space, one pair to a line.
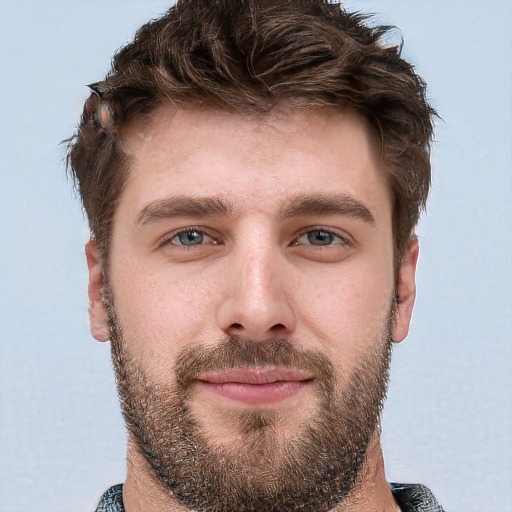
371,493
141,491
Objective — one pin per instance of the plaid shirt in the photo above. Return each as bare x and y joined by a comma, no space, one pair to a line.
410,497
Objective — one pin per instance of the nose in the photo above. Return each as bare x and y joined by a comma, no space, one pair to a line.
257,300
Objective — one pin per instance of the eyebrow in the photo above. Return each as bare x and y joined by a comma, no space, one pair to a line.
185,206
307,205
296,206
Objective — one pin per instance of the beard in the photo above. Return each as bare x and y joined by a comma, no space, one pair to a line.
258,469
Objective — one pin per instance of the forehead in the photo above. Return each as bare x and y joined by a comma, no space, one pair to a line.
259,157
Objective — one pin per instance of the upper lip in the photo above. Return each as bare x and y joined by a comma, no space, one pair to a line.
255,375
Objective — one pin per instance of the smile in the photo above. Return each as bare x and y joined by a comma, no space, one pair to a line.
255,386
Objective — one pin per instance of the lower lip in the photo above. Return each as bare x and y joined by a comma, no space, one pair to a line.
256,394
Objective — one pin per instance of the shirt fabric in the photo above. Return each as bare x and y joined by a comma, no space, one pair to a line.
410,498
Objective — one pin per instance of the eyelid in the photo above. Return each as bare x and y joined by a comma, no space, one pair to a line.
345,239
168,237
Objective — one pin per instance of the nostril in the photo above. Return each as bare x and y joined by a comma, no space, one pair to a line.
236,326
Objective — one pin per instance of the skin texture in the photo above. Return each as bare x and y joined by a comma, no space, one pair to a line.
295,244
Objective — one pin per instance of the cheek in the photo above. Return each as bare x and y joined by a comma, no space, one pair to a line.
348,310
161,312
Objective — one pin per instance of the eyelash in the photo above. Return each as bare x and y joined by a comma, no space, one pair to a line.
319,229
168,239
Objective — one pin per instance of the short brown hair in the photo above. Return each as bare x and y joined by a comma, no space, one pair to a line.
249,56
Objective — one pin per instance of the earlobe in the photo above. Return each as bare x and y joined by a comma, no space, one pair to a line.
406,292
97,312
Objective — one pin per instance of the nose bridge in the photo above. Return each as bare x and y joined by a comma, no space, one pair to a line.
258,286
257,304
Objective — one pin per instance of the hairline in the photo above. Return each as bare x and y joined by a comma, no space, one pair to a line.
282,109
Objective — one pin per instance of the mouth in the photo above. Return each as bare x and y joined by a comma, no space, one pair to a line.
255,386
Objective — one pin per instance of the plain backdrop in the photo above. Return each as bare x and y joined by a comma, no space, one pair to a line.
448,420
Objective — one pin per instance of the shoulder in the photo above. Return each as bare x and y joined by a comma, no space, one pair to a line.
415,498
112,500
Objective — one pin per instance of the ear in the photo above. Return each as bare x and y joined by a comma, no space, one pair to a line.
97,312
406,291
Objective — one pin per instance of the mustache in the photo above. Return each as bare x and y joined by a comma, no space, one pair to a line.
239,352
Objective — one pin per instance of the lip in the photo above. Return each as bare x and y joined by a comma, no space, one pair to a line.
255,386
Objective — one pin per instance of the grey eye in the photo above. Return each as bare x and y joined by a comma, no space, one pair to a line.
189,238
320,237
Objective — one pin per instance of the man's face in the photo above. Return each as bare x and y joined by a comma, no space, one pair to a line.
251,294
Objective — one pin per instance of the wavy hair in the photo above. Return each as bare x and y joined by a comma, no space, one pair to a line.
249,56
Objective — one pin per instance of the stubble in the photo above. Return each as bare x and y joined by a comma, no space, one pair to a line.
315,469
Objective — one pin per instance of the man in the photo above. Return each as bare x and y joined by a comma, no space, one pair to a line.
253,172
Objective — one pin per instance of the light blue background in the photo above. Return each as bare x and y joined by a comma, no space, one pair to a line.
448,421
